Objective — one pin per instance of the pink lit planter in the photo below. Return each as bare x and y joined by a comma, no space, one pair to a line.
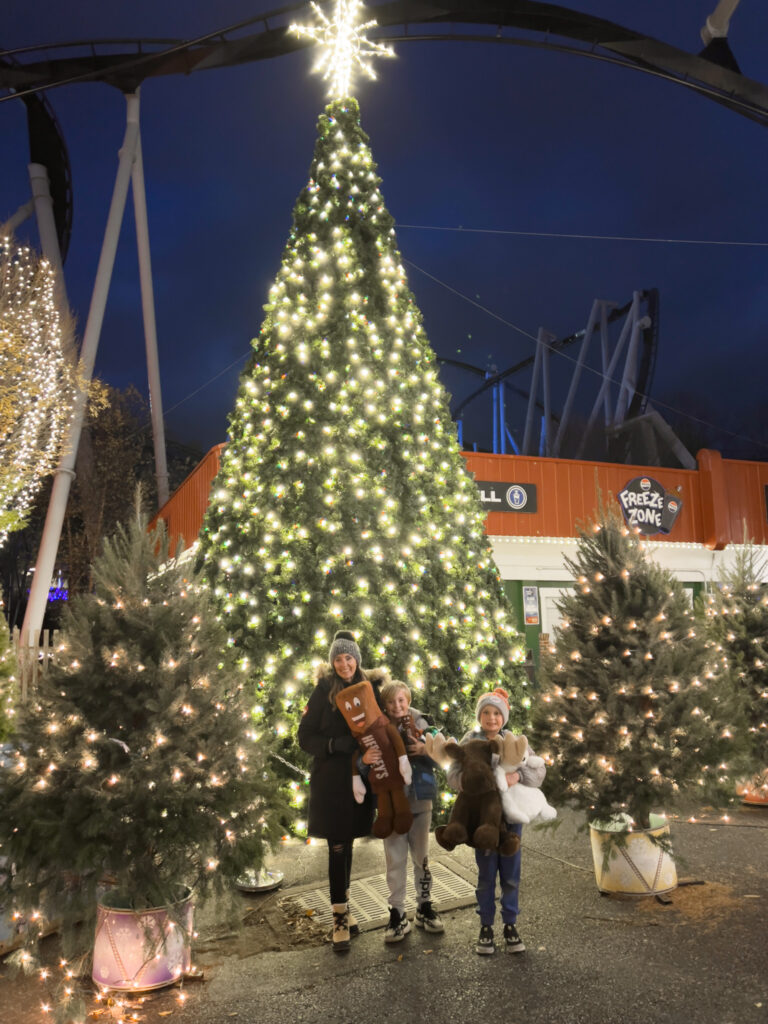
139,950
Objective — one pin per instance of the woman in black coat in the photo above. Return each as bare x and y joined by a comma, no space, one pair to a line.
333,813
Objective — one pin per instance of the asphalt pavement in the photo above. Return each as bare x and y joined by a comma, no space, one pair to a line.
590,959
702,957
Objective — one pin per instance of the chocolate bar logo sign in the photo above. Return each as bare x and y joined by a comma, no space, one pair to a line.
647,507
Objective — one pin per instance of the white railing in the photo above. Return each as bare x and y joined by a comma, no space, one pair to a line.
33,659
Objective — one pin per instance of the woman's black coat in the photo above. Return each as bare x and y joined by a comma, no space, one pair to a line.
333,812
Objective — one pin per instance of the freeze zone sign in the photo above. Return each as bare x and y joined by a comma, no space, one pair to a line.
648,507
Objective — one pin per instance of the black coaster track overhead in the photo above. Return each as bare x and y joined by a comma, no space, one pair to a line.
514,22
127,63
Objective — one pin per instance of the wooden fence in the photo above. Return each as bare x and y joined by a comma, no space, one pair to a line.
33,659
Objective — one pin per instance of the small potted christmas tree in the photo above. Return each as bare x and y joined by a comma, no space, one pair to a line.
630,718
736,619
134,780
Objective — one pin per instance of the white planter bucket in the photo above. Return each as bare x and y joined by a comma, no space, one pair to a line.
139,950
637,867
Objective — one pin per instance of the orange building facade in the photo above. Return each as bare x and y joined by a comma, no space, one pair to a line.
535,505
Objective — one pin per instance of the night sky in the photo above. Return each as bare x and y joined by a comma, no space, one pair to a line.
476,135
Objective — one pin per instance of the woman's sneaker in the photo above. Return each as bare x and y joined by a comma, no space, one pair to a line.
512,941
354,927
428,918
485,941
340,934
398,926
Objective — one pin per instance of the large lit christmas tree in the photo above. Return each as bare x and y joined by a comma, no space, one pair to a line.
630,717
737,627
343,499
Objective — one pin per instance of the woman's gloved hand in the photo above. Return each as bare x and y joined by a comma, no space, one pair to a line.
342,744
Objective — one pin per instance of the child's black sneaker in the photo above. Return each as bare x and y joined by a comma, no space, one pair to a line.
512,941
398,926
428,918
485,941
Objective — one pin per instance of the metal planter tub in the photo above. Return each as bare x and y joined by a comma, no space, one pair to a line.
633,863
140,950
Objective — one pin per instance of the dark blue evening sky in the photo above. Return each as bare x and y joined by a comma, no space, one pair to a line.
465,134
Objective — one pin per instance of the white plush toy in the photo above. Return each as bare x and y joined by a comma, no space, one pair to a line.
522,804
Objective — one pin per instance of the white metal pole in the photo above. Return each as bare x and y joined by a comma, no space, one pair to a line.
46,557
717,23
46,222
49,237
19,217
150,325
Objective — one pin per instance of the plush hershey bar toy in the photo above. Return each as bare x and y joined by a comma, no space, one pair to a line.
390,772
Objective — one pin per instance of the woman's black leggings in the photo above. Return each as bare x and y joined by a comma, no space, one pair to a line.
339,869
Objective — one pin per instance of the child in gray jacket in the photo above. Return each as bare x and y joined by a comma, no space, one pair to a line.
396,698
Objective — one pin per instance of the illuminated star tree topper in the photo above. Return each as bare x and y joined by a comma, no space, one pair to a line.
343,46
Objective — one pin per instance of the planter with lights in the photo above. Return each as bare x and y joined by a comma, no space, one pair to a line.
140,950
633,862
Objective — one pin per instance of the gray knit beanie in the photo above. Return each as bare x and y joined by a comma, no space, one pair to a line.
496,699
344,643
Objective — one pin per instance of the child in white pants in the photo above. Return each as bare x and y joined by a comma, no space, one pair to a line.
396,698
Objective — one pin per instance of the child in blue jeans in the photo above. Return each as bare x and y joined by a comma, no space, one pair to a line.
492,716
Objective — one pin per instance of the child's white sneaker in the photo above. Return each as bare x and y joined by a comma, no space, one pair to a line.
428,918
398,926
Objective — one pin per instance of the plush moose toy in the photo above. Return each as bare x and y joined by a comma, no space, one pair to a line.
476,817
390,771
521,804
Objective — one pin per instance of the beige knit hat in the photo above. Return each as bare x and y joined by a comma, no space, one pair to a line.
498,699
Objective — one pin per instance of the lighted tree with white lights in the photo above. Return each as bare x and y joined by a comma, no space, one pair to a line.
736,617
136,759
631,717
37,379
343,499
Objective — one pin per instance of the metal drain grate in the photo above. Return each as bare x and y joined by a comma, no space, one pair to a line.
369,897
